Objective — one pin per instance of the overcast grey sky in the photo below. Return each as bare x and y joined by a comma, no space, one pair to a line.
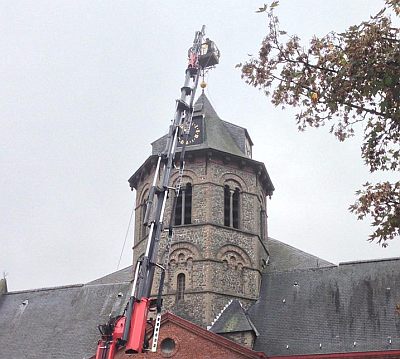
86,86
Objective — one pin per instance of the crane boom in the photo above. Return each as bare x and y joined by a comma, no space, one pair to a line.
129,329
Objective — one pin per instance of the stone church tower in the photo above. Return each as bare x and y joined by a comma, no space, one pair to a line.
220,229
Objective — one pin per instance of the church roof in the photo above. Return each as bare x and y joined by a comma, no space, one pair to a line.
120,276
59,322
218,134
233,319
353,307
283,257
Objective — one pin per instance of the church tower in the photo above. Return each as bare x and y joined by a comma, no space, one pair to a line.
218,252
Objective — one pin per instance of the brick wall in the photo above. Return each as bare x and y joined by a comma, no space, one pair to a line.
187,341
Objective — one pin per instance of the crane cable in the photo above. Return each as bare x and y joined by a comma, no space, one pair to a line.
126,235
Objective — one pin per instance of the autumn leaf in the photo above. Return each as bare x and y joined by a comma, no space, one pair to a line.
343,79
262,9
274,4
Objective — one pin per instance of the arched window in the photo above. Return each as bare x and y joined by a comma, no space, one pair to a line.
235,208
227,206
183,209
143,208
231,207
180,286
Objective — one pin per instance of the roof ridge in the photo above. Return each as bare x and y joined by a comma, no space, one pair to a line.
103,284
256,332
45,289
204,100
370,261
249,320
273,272
219,314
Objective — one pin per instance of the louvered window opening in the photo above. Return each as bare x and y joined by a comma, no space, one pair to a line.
231,207
183,209
144,229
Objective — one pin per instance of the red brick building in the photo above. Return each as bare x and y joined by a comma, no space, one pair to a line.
181,339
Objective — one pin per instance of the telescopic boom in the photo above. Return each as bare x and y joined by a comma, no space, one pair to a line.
129,329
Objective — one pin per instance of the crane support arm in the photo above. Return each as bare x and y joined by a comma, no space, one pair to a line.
129,329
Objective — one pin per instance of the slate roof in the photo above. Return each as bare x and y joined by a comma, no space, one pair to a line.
223,139
120,276
353,307
58,322
284,257
218,134
233,319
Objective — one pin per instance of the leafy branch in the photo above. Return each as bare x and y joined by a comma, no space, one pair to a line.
342,79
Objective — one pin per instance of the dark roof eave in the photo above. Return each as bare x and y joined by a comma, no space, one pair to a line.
256,164
133,180
269,187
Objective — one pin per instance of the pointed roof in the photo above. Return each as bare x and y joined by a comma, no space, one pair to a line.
221,139
218,134
233,319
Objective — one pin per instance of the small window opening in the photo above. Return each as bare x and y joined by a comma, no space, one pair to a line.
180,292
167,346
262,223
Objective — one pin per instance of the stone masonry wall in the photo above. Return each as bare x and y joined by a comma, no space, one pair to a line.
219,263
244,338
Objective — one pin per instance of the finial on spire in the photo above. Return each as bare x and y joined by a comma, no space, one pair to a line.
203,85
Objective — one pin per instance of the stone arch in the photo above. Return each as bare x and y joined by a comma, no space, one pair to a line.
144,193
233,180
141,207
234,255
189,176
181,261
235,261
189,250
